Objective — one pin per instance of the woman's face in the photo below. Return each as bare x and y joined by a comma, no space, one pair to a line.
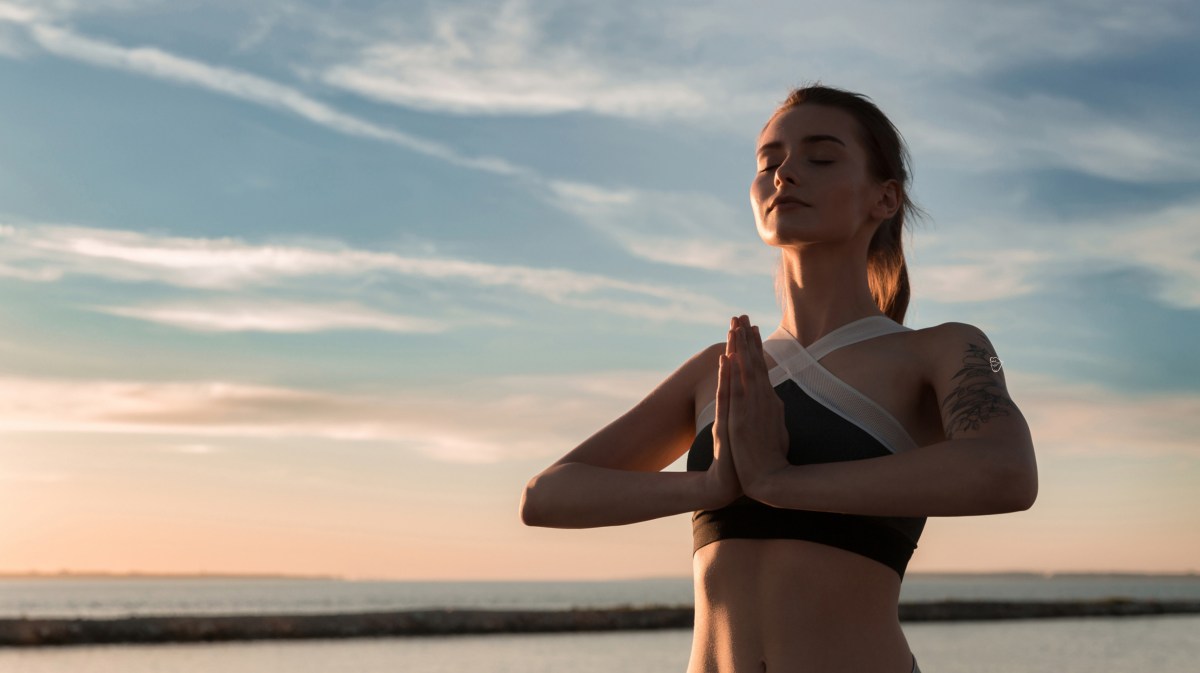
811,153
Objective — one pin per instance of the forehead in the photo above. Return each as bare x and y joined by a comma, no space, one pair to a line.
809,119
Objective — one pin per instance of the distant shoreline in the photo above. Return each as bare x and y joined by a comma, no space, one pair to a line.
83,574
54,632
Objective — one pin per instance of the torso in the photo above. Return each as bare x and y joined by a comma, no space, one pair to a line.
798,605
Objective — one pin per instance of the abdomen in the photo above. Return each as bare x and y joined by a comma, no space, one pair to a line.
793,604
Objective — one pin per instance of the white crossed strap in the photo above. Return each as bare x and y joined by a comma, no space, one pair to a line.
802,365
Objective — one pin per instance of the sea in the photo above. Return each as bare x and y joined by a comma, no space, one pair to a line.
1161,643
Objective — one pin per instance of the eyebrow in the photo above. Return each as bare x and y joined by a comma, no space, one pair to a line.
774,145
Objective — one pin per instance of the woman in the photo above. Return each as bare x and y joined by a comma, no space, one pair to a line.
814,455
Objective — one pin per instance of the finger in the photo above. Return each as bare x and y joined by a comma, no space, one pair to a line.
720,389
744,360
756,379
759,355
720,431
722,408
750,367
738,375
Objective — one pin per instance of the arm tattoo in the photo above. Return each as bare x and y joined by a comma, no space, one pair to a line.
972,402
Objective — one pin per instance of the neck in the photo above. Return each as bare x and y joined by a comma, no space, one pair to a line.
823,291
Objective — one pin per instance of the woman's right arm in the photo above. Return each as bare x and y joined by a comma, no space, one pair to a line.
615,478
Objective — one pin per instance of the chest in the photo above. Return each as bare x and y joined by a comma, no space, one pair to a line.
888,370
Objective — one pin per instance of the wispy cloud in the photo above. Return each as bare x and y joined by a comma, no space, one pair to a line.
197,449
15,13
534,58
511,417
683,229
980,259
990,274
963,38
1165,242
984,131
159,64
1072,418
520,417
710,252
275,316
523,68
50,252
480,60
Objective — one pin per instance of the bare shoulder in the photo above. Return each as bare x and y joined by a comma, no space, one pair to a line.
705,368
679,388
967,374
712,354
704,362
951,339
935,343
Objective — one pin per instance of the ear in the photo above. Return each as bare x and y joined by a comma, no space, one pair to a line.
888,201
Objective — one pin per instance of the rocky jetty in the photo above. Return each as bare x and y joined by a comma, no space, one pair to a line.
204,628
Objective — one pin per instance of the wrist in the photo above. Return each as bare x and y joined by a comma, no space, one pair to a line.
715,490
709,495
760,485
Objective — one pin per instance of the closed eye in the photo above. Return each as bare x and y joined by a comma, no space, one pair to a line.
811,161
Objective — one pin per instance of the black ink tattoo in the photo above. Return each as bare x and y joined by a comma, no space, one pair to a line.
972,403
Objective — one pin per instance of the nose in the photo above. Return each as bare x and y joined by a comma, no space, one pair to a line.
783,173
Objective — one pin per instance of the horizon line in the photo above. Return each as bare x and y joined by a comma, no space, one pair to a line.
260,575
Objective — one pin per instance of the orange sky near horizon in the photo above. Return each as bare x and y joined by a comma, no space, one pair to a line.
119,525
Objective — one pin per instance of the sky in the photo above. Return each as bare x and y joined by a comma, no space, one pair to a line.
317,287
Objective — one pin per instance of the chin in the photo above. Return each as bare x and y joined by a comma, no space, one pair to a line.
782,234
769,236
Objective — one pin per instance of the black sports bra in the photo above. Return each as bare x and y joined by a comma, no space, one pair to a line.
827,421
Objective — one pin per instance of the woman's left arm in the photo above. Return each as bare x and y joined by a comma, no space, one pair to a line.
985,466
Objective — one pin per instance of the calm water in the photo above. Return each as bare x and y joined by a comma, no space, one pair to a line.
1165,644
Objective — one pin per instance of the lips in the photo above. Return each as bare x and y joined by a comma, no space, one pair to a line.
786,199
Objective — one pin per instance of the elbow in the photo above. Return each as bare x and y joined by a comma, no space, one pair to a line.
532,505
542,495
1029,495
527,511
1020,491
1019,501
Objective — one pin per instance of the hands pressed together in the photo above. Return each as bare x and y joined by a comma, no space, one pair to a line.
750,438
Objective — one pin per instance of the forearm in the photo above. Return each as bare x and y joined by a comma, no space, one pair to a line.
577,495
959,477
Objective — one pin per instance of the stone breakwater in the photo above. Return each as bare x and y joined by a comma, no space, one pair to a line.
204,628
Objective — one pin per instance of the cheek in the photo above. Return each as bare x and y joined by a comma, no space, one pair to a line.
841,189
761,188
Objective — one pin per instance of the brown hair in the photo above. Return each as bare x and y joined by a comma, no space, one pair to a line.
887,158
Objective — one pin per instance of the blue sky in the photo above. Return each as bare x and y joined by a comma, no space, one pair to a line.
275,272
